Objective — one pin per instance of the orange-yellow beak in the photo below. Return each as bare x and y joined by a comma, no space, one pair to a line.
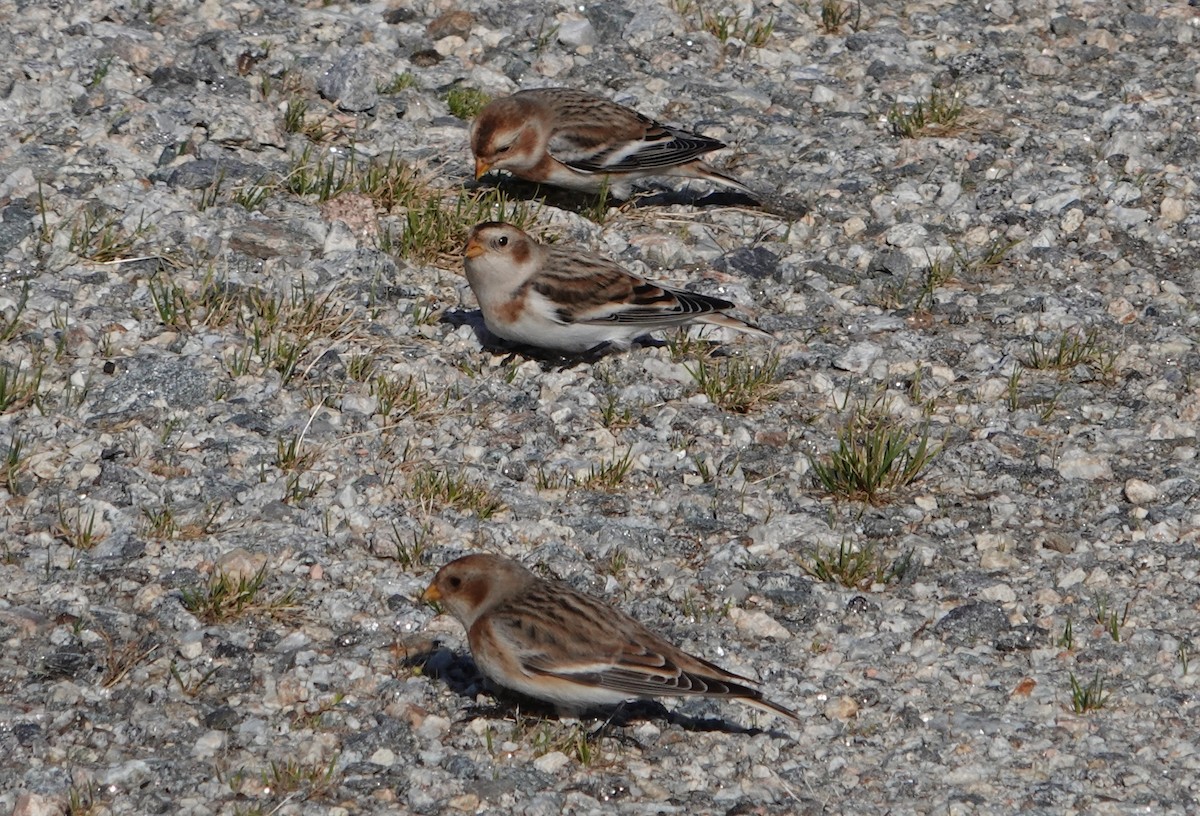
474,250
431,594
481,168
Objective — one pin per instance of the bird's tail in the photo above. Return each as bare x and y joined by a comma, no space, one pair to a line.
730,322
763,704
706,170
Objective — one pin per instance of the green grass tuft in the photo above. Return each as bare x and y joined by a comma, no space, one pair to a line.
875,455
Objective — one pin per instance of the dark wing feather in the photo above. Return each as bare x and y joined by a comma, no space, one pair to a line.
658,147
641,670
595,290
658,304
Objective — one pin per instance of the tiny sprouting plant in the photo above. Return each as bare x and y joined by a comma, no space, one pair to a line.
434,490
876,454
936,115
227,596
1091,697
1108,617
736,384
611,474
855,568
466,103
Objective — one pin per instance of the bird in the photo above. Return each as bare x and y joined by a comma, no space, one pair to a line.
568,300
545,640
577,140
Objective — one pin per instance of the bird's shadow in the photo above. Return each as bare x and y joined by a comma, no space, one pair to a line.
551,360
461,675
585,204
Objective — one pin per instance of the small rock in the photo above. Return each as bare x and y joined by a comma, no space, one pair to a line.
1072,578
1139,492
906,235
858,358
891,262
822,95
433,727
448,45
551,762
34,804
1025,687
350,83
1066,26
1122,311
1172,210
465,803
1000,592
208,745
454,22
240,565
575,30
1076,463
758,623
384,756
1042,66
841,709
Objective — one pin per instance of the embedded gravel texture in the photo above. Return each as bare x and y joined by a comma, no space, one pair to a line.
204,373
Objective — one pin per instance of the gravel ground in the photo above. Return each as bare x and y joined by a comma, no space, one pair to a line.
242,426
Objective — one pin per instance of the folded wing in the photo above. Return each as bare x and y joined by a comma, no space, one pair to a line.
589,289
598,136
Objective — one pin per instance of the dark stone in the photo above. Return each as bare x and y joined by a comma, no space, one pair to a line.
399,15
1020,638
425,58
27,732
350,82
222,719
133,548
68,662
227,649
1066,26
16,221
609,20
1139,22
201,173
173,75
858,605
968,624
346,639
833,272
178,381
878,70
756,262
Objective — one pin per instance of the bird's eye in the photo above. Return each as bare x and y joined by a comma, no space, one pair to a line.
502,241
503,148
455,582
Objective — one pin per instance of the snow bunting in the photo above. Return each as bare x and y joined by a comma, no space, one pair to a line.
572,301
547,641
573,139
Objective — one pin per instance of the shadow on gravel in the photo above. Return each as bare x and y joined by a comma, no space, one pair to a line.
585,204
462,676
